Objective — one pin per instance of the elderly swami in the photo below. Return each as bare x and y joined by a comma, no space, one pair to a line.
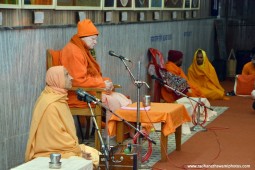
52,127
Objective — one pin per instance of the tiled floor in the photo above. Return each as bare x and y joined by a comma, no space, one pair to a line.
156,154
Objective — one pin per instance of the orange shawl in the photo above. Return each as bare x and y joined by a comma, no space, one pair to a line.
76,58
205,78
248,69
52,128
170,96
93,68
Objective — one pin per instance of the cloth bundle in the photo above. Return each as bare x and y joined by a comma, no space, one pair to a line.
244,84
177,83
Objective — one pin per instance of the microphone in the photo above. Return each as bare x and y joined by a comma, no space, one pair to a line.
112,53
85,96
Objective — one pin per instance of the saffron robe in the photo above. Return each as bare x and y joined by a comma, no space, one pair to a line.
205,77
52,129
248,69
169,96
73,59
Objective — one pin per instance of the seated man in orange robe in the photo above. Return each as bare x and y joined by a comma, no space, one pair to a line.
52,127
249,68
86,72
202,74
173,65
244,82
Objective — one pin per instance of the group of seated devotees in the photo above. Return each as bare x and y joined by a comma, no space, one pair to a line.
173,65
202,78
52,127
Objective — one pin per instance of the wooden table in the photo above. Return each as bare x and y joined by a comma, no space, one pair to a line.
171,116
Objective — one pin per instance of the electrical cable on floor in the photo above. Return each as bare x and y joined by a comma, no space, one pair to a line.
165,151
210,129
147,155
135,138
194,114
155,132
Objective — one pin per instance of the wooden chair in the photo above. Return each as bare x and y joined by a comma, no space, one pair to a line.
54,61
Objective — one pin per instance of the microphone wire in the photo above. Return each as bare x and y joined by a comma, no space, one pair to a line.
165,152
184,166
164,148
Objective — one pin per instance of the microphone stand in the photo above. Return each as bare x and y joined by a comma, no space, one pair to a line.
103,146
197,127
105,151
138,84
88,98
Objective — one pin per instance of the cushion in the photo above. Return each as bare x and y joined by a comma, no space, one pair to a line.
244,84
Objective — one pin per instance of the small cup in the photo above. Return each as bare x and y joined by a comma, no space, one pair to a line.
55,157
55,161
146,100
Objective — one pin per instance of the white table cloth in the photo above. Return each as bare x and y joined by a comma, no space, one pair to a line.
42,163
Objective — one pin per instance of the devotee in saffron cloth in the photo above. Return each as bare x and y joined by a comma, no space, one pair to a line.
249,68
52,127
202,74
85,70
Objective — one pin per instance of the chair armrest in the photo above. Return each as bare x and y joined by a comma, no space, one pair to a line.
117,86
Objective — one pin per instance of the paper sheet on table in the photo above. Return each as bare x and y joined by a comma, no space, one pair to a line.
134,108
